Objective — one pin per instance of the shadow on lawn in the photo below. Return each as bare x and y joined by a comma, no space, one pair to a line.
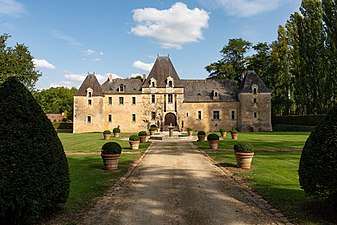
226,165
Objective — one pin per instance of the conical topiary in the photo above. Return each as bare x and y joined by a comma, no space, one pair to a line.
318,164
34,176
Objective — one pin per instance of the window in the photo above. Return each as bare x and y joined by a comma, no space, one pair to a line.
170,98
89,120
199,115
170,83
255,114
254,100
216,115
109,118
110,100
121,100
133,100
153,84
153,99
121,88
254,88
133,117
89,94
186,114
153,115
233,116
89,102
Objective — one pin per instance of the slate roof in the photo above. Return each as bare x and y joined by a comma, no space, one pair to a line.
130,86
90,82
202,90
251,78
160,71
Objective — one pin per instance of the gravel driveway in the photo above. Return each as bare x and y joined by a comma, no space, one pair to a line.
175,184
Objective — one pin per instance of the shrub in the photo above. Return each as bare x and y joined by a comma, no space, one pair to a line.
134,138
222,130
107,132
33,166
212,137
234,132
189,129
308,120
111,148
201,132
153,128
243,146
142,133
317,169
116,130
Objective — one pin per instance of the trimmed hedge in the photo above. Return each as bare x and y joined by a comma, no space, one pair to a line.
318,163
33,166
309,120
287,127
63,126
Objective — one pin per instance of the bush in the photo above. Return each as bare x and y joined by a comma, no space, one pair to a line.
61,126
222,130
212,137
111,148
287,127
153,128
317,169
106,132
142,133
33,166
189,129
234,132
134,138
243,146
116,130
201,132
308,120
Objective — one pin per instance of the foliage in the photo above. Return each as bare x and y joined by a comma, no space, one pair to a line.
34,169
308,120
189,129
111,148
201,132
107,132
287,127
17,62
142,133
134,138
153,128
317,169
234,132
58,125
213,137
243,146
57,100
222,130
116,130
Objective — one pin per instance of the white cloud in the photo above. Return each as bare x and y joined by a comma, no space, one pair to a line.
73,77
173,27
114,76
245,8
142,66
42,63
91,55
62,36
11,7
88,52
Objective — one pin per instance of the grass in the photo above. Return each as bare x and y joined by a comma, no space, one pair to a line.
264,140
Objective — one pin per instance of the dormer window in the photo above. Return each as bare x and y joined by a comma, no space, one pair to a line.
121,88
169,82
215,94
89,92
153,82
254,89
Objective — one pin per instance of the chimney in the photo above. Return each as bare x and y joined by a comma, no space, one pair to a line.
144,77
110,77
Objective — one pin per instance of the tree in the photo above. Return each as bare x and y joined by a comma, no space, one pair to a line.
17,62
56,100
260,61
233,63
33,166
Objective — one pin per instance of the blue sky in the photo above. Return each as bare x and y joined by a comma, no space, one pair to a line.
69,38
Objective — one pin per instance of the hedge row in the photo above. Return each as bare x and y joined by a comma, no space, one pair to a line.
287,127
62,126
309,120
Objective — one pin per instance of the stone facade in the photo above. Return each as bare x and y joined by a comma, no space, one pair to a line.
163,99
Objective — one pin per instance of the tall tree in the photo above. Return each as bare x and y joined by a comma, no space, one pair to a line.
260,61
17,62
233,60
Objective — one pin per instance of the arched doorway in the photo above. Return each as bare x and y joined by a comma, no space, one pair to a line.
170,119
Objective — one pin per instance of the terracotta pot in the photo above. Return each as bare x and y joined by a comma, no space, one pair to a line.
201,138
143,139
244,159
134,145
223,134
152,132
235,136
190,133
213,144
107,136
116,134
110,161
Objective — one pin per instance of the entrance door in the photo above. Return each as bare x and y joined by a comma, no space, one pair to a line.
170,119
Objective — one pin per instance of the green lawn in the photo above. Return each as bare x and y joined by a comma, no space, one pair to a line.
264,140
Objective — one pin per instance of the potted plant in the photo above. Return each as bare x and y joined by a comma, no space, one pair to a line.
110,155
213,141
153,130
244,152
189,131
116,131
106,134
134,141
235,134
143,136
223,132
201,136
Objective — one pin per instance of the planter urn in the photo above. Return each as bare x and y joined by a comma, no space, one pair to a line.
152,132
244,159
201,138
223,134
143,139
110,161
235,136
213,144
190,133
107,136
116,134
134,145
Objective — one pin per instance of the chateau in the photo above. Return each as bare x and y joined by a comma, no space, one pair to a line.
163,99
